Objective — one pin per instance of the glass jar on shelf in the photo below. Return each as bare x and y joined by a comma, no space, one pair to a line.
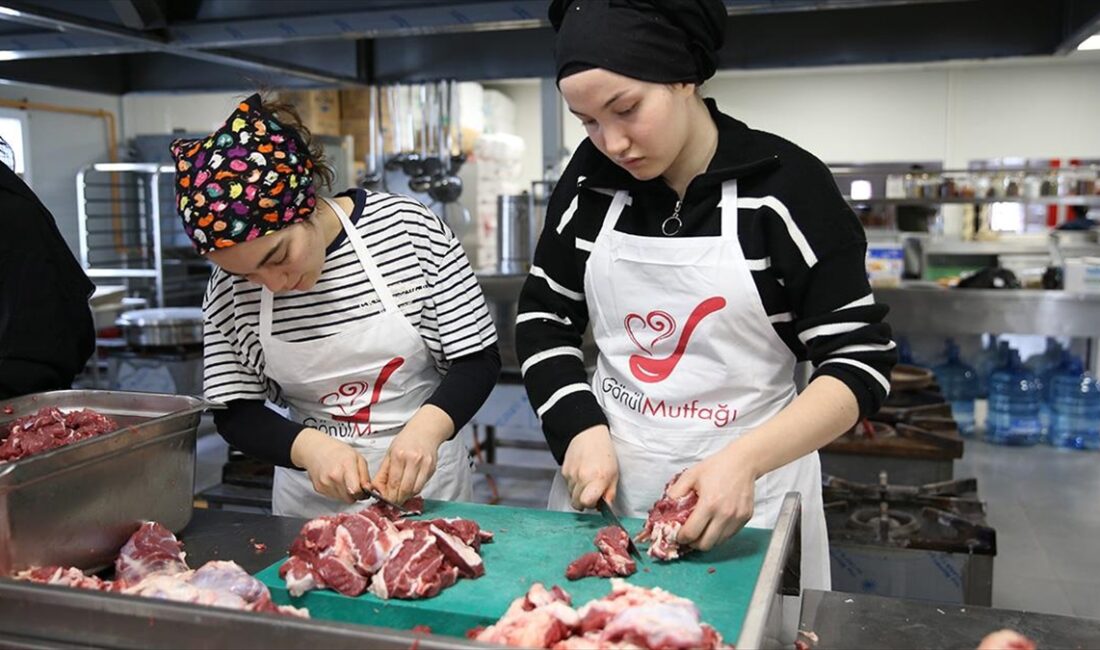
983,184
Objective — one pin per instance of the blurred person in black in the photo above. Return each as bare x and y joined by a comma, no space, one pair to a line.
46,329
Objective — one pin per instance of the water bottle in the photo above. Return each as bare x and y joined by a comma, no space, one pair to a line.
959,383
1014,398
988,360
1075,420
1047,360
1045,364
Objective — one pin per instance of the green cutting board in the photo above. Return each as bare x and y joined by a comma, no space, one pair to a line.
535,546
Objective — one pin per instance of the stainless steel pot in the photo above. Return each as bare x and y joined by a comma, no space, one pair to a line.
167,327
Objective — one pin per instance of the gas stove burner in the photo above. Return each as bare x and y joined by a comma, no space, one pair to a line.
890,524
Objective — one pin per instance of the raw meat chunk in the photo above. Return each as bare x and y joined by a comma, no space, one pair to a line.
664,522
629,617
1006,640
50,428
152,549
376,549
613,558
151,565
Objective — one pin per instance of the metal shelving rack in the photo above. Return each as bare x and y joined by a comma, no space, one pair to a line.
129,233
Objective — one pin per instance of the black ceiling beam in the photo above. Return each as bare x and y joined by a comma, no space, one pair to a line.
142,15
890,33
156,72
897,34
103,74
33,15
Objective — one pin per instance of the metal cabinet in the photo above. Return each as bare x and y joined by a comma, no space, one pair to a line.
129,233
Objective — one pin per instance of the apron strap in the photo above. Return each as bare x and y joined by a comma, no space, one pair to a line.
729,210
365,259
376,279
618,202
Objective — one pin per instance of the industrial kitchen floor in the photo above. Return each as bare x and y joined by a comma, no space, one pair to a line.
1043,502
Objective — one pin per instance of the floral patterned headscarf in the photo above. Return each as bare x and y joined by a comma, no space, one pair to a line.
251,177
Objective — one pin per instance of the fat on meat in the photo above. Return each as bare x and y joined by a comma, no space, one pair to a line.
151,565
152,549
664,522
539,619
418,569
612,559
628,617
378,550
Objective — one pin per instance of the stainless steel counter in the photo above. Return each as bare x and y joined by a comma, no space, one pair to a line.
38,616
844,621
936,310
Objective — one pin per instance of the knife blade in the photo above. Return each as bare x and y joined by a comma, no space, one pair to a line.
371,493
609,516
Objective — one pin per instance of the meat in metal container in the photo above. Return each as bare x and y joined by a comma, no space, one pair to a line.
77,505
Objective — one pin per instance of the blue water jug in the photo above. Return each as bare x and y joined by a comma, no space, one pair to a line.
1075,405
989,359
1046,360
1014,399
959,383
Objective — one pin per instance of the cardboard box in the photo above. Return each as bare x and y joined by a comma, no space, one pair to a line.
355,104
319,108
361,134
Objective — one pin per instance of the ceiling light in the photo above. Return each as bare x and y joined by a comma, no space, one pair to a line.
1090,43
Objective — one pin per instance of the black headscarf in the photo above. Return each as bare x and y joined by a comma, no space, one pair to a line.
662,41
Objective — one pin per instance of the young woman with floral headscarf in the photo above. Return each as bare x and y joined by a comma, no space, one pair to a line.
359,313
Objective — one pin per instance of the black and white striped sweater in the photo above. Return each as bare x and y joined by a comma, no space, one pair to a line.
804,245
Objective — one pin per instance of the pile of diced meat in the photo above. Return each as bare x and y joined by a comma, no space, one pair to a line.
628,617
152,564
665,519
50,428
376,549
612,559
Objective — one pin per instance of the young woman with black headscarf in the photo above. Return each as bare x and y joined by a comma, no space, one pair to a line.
708,257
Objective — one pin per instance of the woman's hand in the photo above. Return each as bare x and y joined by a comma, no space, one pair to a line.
412,456
336,469
726,487
590,469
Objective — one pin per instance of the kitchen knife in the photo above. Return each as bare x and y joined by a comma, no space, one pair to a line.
370,493
609,516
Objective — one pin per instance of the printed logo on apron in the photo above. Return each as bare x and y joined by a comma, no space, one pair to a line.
653,370
345,398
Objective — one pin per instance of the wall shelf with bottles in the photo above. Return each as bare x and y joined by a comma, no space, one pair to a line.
985,182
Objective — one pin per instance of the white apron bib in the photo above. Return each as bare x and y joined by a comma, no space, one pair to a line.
361,386
688,362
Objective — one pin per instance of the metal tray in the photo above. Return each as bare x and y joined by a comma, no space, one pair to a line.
77,505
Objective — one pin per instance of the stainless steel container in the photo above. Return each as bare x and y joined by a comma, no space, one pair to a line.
77,505
167,327
513,234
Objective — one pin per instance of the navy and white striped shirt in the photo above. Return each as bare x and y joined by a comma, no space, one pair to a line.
421,262
804,246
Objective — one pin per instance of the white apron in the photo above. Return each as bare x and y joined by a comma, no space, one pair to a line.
688,362
361,386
